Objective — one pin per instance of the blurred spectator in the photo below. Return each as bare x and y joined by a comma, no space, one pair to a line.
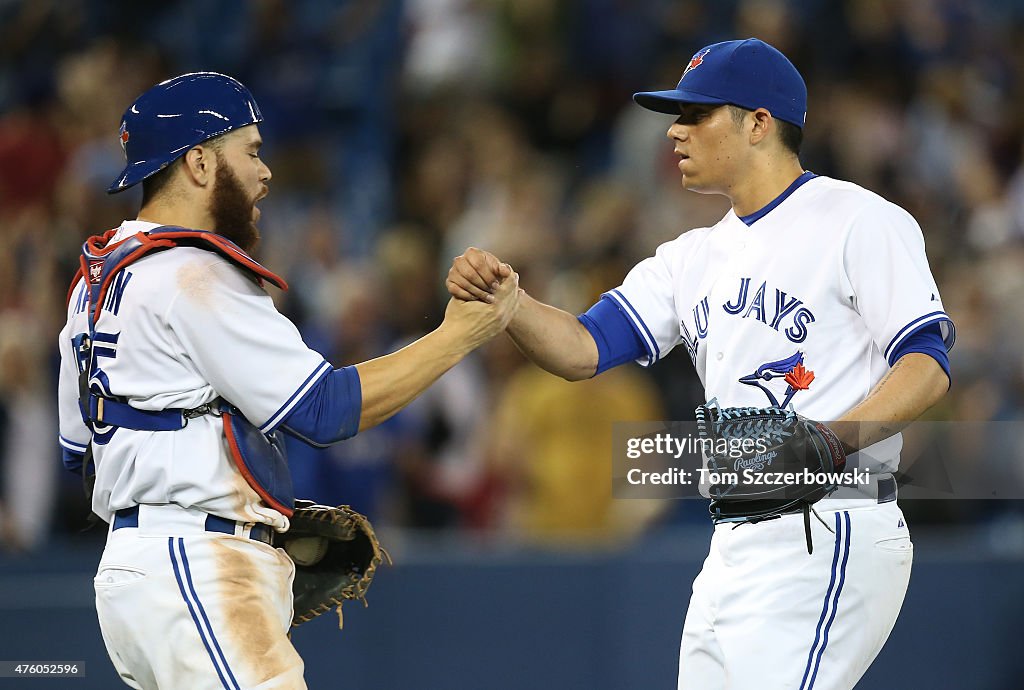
551,443
447,45
28,461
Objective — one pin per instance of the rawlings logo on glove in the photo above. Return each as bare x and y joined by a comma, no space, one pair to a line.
758,462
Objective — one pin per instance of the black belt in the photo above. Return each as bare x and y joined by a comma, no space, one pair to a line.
886,493
887,489
129,517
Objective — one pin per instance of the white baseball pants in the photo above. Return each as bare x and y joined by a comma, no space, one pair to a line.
766,615
180,607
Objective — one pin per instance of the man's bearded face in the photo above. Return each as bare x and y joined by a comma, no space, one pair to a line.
232,209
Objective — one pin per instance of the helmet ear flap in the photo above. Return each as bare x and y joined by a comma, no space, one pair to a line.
175,115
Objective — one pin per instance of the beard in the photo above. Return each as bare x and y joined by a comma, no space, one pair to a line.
231,209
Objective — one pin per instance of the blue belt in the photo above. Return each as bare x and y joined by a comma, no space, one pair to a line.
129,517
110,412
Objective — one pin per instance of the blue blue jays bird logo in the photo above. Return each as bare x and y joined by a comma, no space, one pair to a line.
791,370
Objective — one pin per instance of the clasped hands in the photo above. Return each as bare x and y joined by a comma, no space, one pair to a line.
484,292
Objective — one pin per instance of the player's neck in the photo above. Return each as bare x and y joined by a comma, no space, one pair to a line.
763,182
185,215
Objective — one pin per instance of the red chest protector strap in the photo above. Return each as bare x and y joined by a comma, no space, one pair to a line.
100,261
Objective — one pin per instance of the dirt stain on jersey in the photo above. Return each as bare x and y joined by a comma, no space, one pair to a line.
250,588
195,281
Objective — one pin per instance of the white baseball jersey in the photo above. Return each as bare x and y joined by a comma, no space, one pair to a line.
802,307
181,328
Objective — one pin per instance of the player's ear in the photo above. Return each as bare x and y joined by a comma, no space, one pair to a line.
762,125
200,164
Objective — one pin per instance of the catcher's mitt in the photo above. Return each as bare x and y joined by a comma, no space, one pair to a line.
779,468
336,554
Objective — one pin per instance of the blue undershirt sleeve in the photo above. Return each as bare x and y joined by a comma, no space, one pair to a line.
928,341
72,461
613,331
330,410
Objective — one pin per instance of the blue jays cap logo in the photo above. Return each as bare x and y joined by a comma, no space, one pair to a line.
791,370
695,61
124,134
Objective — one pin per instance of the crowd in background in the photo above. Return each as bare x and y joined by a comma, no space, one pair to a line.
401,132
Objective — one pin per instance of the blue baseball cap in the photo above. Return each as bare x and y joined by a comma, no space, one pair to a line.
750,74
175,115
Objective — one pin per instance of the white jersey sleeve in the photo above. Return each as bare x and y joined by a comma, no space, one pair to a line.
647,297
250,353
74,434
886,277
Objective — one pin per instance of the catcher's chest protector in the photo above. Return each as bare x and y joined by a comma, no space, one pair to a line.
259,458
100,262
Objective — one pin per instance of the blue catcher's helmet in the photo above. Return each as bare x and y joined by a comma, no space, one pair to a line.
175,115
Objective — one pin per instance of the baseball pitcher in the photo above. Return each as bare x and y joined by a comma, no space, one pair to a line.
811,301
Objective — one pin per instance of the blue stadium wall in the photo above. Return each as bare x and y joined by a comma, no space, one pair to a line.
452,616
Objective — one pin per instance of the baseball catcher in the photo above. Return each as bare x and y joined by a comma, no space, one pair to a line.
336,554
180,379
788,447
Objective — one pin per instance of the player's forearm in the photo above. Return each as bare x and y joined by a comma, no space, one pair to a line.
914,384
391,382
554,340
